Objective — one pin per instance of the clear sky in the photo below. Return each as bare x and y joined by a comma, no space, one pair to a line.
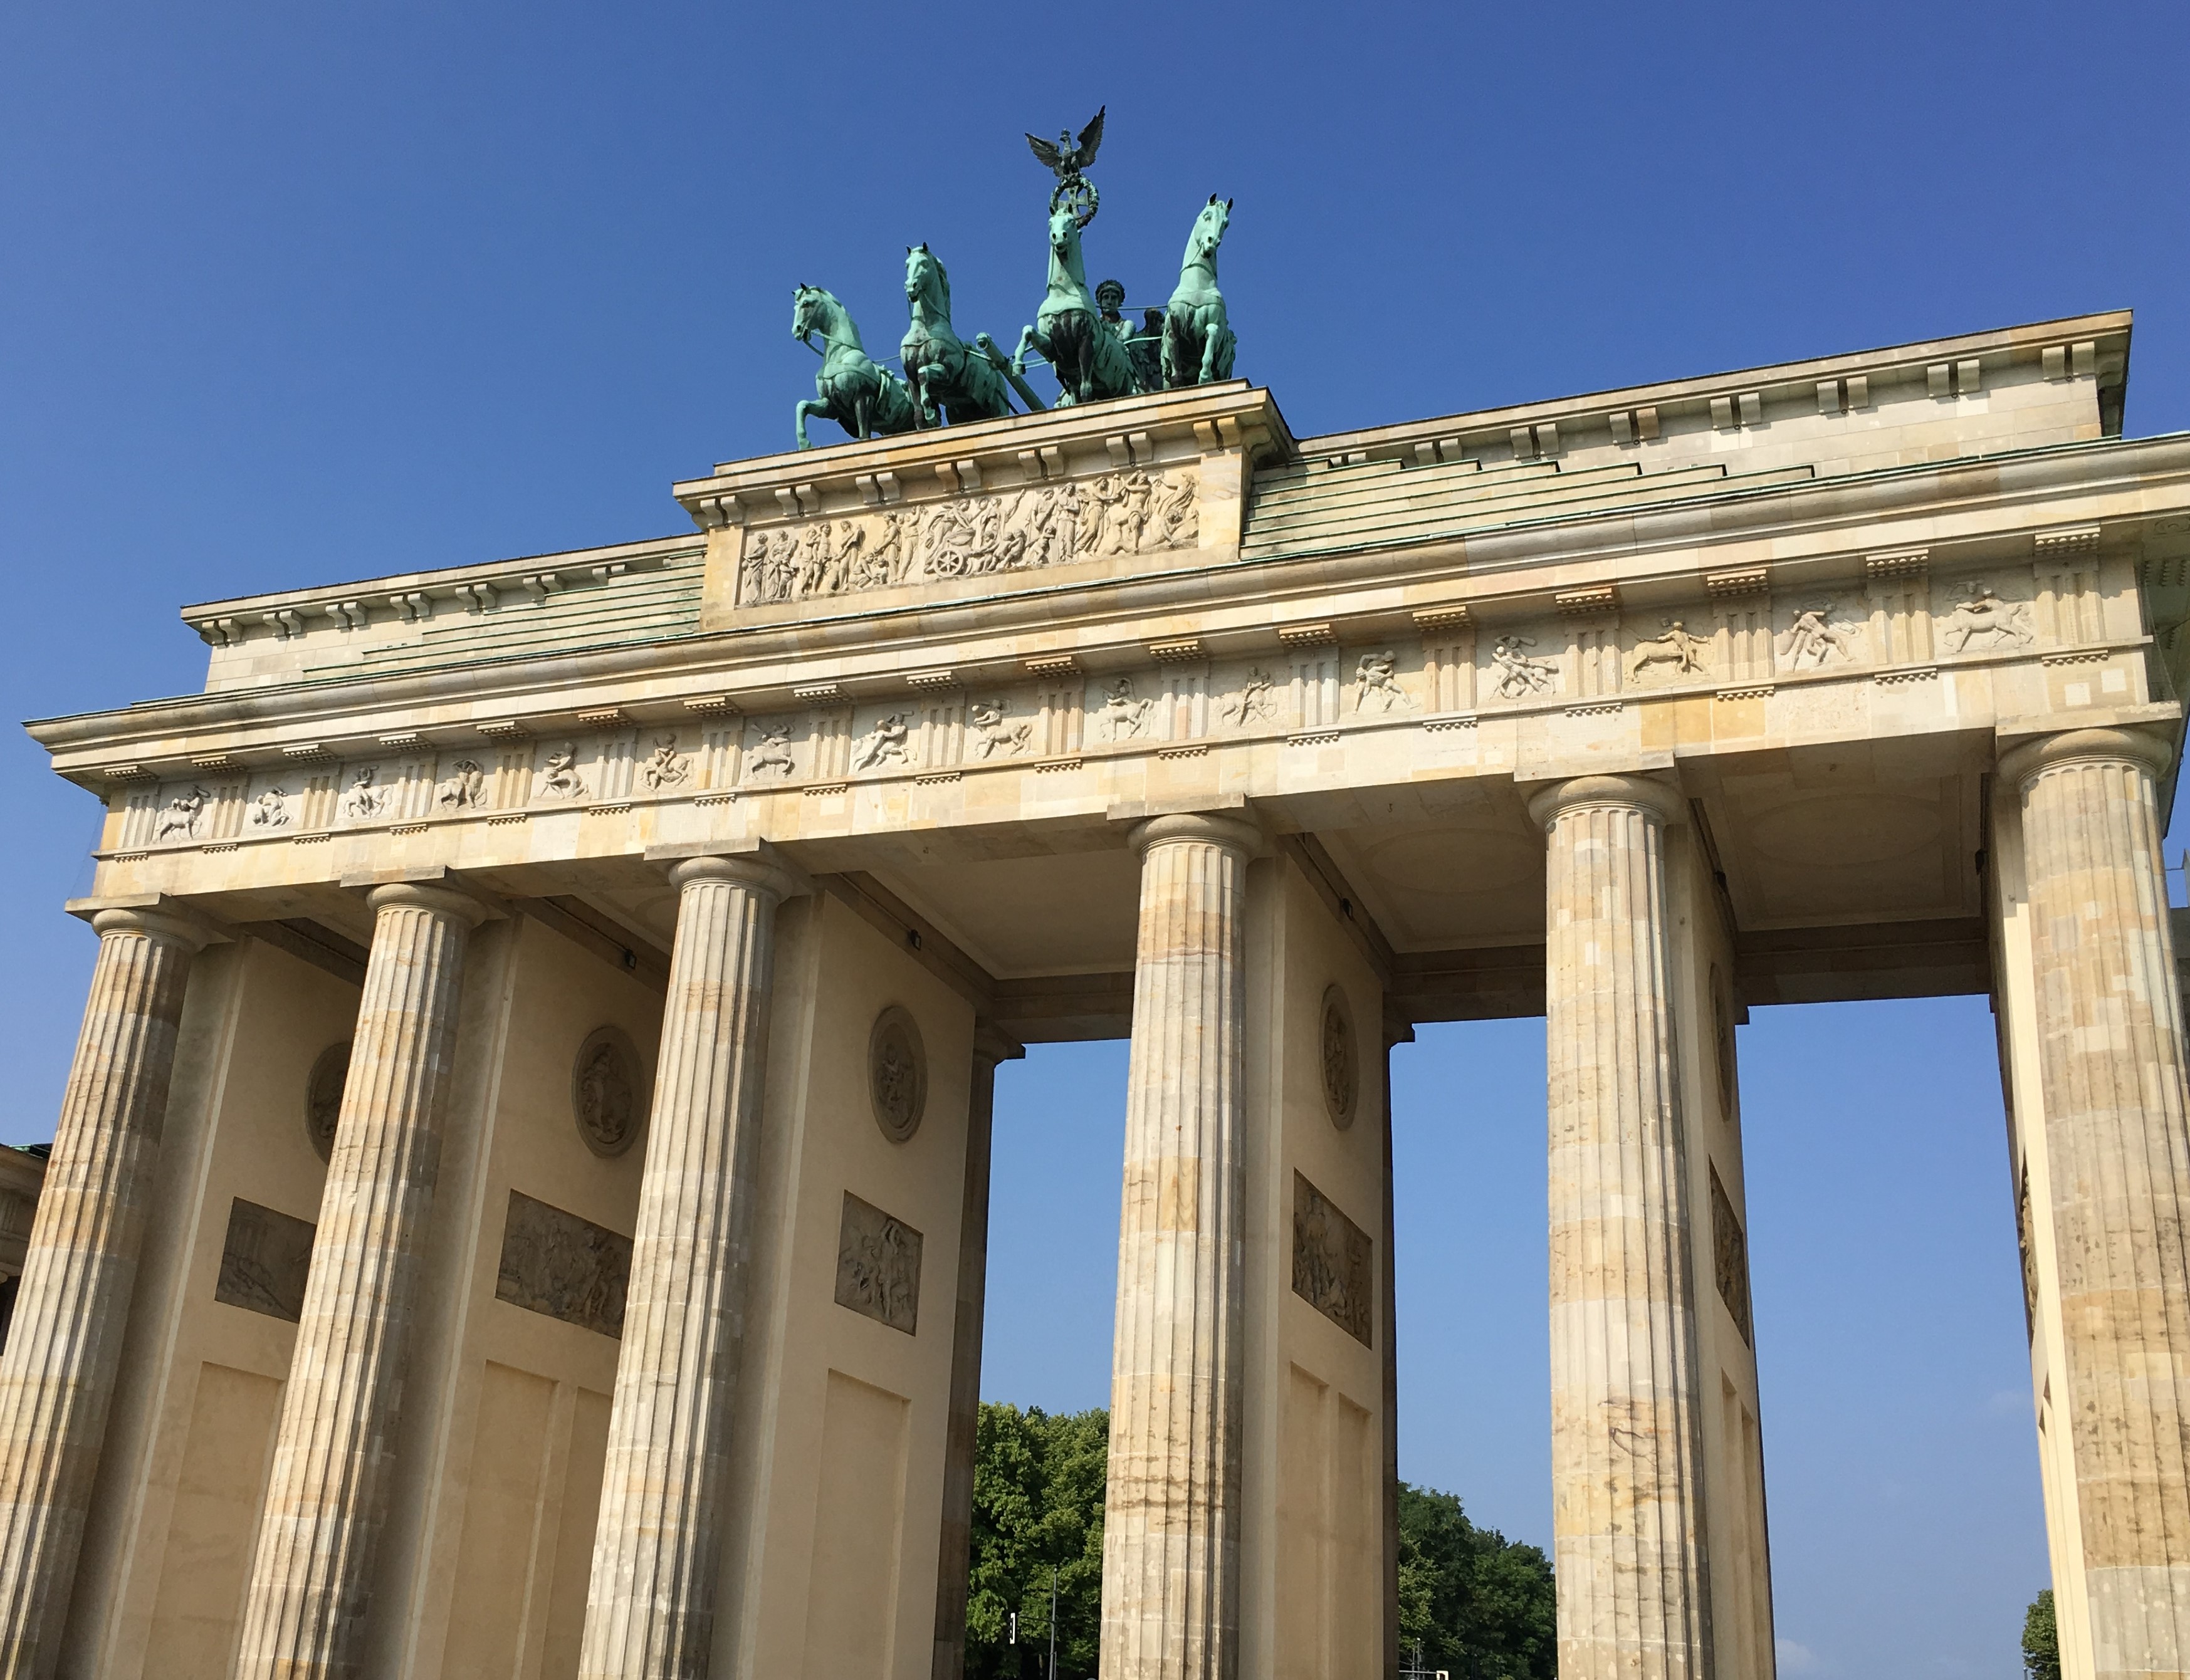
290,294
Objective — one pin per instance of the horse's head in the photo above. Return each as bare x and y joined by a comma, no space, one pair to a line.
1063,233
1210,225
806,315
925,276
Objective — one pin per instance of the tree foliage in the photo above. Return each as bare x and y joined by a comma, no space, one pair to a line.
2041,1641
1037,1505
1478,1605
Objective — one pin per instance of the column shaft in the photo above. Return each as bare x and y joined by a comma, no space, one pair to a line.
650,1607
955,1556
72,1304
1627,1499
1170,1542
2111,1059
326,1495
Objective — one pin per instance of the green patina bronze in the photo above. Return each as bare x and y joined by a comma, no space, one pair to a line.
1198,341
951,380
1090,361
867,399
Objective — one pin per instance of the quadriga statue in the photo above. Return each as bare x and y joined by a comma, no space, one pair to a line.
1198,341
867,399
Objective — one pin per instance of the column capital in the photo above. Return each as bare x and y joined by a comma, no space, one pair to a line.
756,874
2019,765
448,903
1661,799
165,924
1239,834
992,1045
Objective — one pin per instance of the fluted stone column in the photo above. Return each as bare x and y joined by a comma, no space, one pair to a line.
955,1555
73,1304
1626,1446
651,1607
328,1493
2111,1059
1170,1540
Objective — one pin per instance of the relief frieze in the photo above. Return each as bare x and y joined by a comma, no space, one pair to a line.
265,1260
1333,1263
554,1263
878,1266
1120,513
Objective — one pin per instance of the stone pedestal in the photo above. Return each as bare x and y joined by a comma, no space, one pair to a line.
650,1607
2110,1054
326,1497
1170,1542
1627,1493
954,1557
72,1305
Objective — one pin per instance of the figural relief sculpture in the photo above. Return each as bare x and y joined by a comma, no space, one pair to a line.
878,1266
1816,639
886,742
663,767
607,1098
270,810
1981,616
1518,675
1122,713
361,800
1333,1268
323,1095
558,774
565,1267
264,1260
1377,678
1120,513
464,789
179,820
1674,653
992,734
1250,704
1340,1073
897,1073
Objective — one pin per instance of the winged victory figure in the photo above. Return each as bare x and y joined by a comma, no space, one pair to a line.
1066,158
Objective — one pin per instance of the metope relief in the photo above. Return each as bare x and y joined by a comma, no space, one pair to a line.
563,1267
179,817
608,1094
878,1266
770,757
1673,655
664,767
1340,1069
1376,684
1252,702
265,1260
464,788
1818,634
888,742
897,1073
1120,513
994,733
1123,715
558,774
1333,1269
1516,673
362,801
270,811
1981,620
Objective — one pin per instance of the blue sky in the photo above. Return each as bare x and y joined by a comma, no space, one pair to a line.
291,294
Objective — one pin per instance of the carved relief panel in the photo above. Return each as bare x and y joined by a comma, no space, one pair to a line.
1729,1257
878,1266
264,1261
1333,1269
567,1268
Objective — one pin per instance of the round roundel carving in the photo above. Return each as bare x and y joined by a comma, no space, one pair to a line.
608,1096
1342,1076
323,1095
897,1073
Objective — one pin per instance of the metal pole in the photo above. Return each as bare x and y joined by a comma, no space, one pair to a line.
1052,1622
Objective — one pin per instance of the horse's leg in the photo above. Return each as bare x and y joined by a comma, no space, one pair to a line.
1174,352
863,413
1019,358
798,414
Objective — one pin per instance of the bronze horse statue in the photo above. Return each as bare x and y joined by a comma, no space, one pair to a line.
951,380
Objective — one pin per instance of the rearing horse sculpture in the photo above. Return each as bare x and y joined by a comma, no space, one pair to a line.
863,398
950,379
1198,341
1089,360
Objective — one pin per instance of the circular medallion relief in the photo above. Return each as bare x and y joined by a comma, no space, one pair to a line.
1340,1072
897,1073
608,1097
323,1095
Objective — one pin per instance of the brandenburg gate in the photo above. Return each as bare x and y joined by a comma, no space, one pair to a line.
520,1200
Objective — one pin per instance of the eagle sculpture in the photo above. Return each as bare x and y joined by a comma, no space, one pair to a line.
1065,157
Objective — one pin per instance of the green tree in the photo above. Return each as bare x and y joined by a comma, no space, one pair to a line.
2041,1641
1478,1605
1038,1484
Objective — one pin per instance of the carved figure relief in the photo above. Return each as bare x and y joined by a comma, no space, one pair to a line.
1519,675
558,774
1252,704
1981,616
886,742
897,1073
179,820
464,788
1816,639
1377,678
265,1260
1332,1262
2025,1239
771,756
992,734
1674,653
878,1266
1729,1257
555,1264
270,810
663,767
323,1095
1133,512
361,800
1340,1071
1722,1042
1122,713
608,1098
